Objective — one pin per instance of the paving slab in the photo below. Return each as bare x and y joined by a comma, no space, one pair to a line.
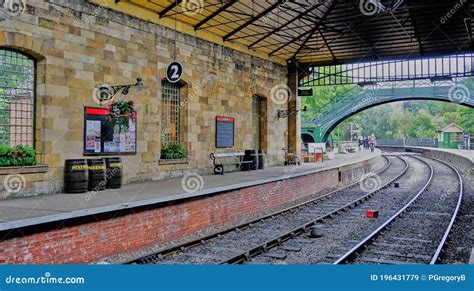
15,213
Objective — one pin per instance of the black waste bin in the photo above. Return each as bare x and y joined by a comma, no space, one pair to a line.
261,159
252,157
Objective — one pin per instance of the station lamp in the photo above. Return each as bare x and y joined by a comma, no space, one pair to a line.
107,92
286,113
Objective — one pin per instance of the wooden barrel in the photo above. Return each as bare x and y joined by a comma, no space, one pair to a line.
97,174
114,172
76,176
261,159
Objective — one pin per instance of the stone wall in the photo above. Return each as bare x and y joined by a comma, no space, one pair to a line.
78,45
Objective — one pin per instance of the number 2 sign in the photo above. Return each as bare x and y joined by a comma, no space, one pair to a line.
174,72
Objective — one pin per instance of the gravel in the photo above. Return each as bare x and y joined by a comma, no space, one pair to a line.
414,237
461,240
215,250
345,230
133,255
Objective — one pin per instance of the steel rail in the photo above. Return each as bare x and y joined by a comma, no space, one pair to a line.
194,243
353,252
277,240
453,217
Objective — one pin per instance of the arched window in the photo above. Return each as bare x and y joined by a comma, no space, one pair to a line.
17,98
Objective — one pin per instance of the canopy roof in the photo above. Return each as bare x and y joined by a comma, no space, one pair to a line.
326,31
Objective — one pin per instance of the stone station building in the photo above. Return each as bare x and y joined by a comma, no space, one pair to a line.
74,46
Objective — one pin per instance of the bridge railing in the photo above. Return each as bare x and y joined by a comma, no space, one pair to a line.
391,142
422,142
415,142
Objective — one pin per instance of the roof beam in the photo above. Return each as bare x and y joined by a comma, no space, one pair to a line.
329,47
303,44
214,14
309,33
306,12
169,8
415,30
253,19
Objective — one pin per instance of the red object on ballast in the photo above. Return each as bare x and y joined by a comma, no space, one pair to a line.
372,213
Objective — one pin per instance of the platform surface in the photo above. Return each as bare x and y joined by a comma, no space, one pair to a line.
21,212
469,154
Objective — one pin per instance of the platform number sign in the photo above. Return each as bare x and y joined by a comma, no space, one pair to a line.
174,72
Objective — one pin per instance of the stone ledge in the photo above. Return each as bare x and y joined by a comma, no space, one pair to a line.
173,162
24,170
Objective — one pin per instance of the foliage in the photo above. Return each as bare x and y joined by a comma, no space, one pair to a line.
323,95
20,155
121,112
172,151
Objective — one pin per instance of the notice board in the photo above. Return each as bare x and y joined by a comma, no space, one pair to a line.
225,132
102,137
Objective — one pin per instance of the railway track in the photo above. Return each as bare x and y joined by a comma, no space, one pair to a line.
341,232
418,232
228,246
411,234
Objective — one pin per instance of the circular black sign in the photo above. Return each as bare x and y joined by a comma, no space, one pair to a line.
174,72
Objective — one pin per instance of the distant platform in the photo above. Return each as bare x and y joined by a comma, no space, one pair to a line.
461,159
468,154
23,212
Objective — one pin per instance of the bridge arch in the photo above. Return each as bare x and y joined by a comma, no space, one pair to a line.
329,118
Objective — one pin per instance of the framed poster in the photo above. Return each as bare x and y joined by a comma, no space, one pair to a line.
225,132
101,137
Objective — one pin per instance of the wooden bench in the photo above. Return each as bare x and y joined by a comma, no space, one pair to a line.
219,167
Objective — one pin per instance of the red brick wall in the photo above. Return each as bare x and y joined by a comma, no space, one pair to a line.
89,239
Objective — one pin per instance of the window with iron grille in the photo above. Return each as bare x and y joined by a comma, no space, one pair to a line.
170,114
17,98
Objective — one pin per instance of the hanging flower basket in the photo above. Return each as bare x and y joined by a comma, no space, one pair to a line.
121,112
